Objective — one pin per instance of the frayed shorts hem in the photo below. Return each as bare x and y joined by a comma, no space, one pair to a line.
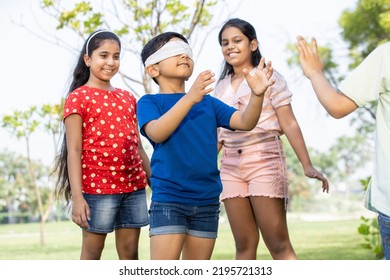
253,195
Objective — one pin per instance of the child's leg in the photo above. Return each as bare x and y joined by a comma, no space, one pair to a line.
92,245
196,248
173,226
244,227
237,170
201,232
100,223
271,218
167,230
131,216
166,246
126,241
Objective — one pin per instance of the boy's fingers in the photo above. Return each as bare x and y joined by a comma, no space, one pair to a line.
208,90
206,73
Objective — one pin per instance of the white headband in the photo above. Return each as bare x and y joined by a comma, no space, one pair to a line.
172,48
93,35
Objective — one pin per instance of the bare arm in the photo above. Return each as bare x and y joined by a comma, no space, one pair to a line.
336,104
145,159
259,82
159,130
80,209
293,132
219,147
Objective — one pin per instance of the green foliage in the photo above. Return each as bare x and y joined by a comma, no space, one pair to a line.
135,22
81,18
16,186
154,17
351,152
299,187
12,182
23,181
364,182
141,20
369,229
338,164
51,116
21,123
365,27
326,54
47,3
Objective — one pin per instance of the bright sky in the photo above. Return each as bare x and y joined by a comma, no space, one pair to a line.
34,72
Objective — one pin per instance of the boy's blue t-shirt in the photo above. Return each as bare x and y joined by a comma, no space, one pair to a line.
185,166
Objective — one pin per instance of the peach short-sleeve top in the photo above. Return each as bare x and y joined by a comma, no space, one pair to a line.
268,126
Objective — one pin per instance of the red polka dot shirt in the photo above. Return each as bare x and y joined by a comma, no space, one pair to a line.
110,160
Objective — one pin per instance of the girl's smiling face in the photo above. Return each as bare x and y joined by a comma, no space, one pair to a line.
236,47
104,61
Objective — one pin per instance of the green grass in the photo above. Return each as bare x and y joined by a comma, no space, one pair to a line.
334,240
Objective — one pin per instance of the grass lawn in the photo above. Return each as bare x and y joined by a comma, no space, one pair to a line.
334,240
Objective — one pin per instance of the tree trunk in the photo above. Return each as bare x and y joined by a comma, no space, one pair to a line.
38,194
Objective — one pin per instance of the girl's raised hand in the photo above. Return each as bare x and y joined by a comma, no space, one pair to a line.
260,80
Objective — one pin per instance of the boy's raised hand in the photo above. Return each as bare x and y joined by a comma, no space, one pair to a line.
260,80
199,88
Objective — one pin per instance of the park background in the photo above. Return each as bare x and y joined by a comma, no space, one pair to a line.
37,63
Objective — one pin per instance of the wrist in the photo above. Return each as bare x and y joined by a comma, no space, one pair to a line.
315,75
187,100
77,196
307,166
257,99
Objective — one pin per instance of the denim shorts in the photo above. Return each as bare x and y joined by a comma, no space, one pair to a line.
114,211
174,218
384,226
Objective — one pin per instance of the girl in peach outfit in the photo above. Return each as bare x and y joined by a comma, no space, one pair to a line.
253,166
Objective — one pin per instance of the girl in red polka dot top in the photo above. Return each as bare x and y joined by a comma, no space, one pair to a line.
102,167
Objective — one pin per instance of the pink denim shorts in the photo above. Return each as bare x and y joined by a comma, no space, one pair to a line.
255,170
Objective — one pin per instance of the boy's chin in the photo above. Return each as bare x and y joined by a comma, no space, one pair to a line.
187,77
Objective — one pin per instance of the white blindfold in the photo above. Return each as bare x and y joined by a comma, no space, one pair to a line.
172,48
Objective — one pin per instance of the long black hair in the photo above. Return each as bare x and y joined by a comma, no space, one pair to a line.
80,76
249,31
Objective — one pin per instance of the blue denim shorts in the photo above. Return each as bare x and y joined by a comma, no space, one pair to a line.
384,227
114,211
173,218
